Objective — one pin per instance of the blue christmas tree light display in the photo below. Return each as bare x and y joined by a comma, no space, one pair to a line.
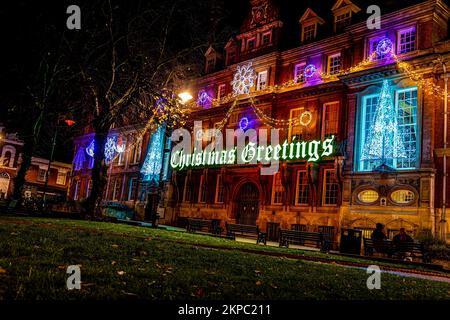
151,169
384,143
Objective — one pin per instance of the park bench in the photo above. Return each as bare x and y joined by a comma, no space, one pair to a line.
328,236
208,226
246,231
302,238
393,250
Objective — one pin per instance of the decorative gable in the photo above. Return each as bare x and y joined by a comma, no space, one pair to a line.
342,11
310,17
309,22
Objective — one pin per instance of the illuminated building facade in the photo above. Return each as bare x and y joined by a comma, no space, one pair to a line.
378,92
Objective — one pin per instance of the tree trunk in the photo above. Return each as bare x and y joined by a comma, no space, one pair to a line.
99,170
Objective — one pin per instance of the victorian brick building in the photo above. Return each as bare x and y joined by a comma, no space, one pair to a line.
10,161
319,72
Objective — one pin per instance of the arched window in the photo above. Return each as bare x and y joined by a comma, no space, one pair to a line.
8,156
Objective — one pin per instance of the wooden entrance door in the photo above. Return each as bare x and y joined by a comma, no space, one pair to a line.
247,204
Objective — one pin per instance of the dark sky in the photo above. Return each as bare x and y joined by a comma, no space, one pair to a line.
29,29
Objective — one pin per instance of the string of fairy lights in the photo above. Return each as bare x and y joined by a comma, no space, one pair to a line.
386,49
244,79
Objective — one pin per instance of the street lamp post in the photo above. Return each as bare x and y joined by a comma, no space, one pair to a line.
69,123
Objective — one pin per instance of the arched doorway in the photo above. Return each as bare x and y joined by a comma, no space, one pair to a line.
4,185
247,204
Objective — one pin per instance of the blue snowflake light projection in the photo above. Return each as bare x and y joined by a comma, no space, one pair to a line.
384,142
244,78
110,148
151,169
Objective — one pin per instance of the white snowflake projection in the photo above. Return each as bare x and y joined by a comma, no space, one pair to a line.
110,148
244,79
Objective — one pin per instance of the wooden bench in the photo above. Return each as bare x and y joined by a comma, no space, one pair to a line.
393,250
246,231
328,236
208,226
302,238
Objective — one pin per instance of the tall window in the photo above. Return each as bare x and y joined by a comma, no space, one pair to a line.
136,151
406,105
295,129
220,191
116,188
187,190
330,188
231,56
309,32
210,64
406,40
406,111
41,174
334,63
121,157
221,91
250,44
330,119
277,189
299,73
262,80
266,38
75,190
61,178
342,21
89,188
202,190
302,191
132,188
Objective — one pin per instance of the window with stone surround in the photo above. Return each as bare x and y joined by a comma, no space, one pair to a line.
330,188
277,189
406,40
302,190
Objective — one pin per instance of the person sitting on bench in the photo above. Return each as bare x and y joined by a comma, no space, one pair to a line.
398,240
378,236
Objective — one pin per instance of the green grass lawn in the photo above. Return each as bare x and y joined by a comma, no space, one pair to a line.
120,262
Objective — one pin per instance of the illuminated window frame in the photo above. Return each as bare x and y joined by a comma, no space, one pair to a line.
220,190
261,83
277,189
407,40
334,65
326,131
309,32
330,191
303,187
299,72
186,190
296,112
202,190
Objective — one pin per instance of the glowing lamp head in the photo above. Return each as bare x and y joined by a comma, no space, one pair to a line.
185,97
69,122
